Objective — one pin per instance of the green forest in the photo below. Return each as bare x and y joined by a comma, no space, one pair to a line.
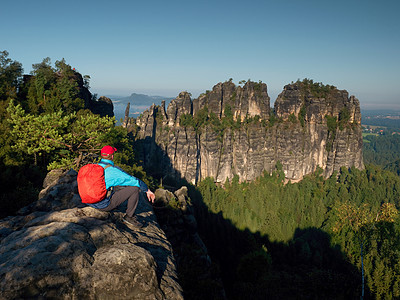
46,123
335,238
382,150
303,240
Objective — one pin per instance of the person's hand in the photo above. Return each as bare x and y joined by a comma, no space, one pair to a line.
150,196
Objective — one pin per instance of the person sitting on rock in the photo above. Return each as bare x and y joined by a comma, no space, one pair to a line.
123,186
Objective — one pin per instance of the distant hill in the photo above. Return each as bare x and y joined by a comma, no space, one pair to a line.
139,103
135,99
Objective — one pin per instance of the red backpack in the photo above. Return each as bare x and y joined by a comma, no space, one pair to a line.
91,183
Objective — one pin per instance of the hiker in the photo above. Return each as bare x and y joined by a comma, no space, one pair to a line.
123,187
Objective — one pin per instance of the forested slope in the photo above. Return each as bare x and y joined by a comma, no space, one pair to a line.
381,149
303,240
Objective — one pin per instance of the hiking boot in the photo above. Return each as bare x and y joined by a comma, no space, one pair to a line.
132,221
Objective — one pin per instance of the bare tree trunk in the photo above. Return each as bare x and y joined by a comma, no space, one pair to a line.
78,163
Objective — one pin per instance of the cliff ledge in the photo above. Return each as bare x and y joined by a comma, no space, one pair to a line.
57,248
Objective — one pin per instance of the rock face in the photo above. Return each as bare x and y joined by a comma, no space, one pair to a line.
332,135
55,248
103,106
198,275
230,131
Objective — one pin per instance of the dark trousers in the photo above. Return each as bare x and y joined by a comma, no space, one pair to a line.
130,193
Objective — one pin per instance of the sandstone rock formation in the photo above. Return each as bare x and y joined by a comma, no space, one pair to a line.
103,106
230,131
56,248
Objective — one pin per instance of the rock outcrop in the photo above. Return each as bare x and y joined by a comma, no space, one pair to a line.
230,131
103,106
57,248
199,277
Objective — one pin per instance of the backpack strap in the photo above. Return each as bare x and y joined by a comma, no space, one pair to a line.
108,165
110,190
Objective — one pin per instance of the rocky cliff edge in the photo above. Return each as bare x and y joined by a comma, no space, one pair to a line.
56,248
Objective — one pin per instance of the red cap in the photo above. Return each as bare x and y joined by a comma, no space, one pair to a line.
108,150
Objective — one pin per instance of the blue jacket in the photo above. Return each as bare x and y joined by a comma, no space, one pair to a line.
115,176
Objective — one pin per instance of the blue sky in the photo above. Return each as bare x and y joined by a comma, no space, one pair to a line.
164,47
